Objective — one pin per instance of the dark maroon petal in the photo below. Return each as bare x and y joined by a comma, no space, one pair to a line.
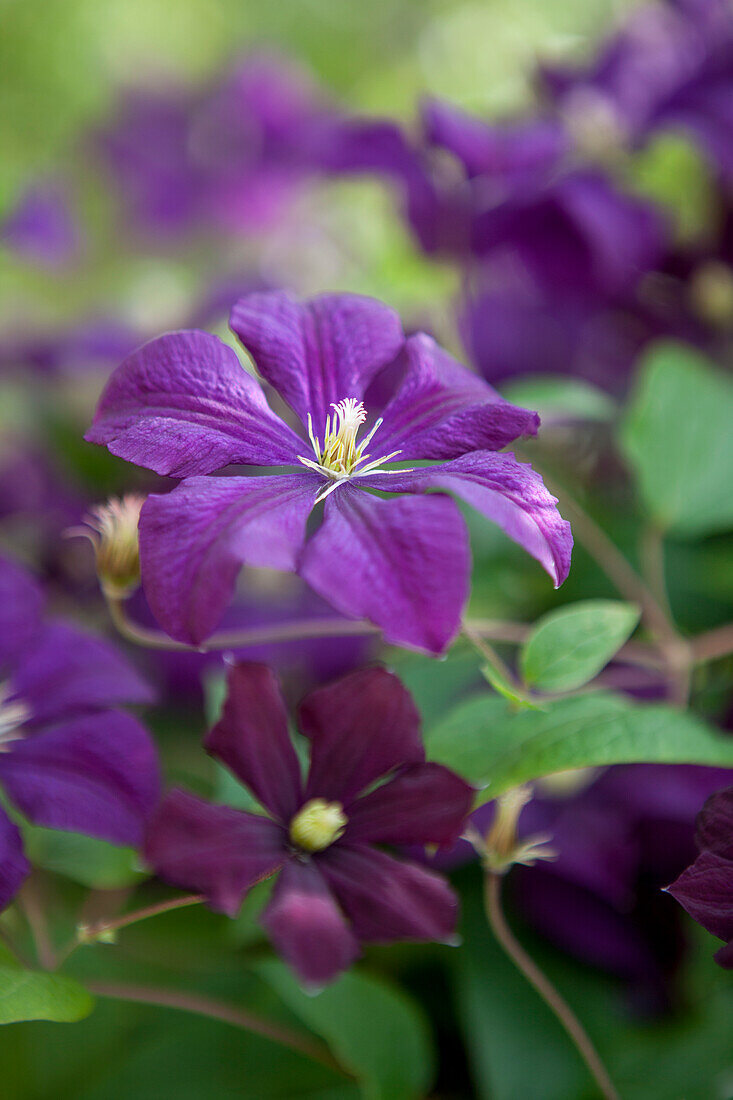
214,850
306,926
389,899
252,739
14,867
21,604
714,831
507,492
183,404
442,410
97,775
403,563
318,352
360,728
423,804
68,672
194,541
705,890
724,957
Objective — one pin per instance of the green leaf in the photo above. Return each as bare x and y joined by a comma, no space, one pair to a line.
677,437
570,646
496,748
84,859
501,684
372,1028
33,995
558,396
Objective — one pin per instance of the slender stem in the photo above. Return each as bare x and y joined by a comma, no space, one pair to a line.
102,926
31,906
713,645
543,986
227,1013
651,553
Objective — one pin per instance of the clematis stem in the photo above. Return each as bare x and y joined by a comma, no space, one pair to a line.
227,1013
33,910
92,931
543,986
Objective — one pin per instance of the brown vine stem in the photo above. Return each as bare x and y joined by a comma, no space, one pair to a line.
543,986
227,1013
89,932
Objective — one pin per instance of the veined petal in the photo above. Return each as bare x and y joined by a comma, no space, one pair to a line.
402,563
507,492
97,775
705,890
183,404
317,352
194,540
214,850
252,739
360,728
389,899
14,867
306,926
443,410
423,804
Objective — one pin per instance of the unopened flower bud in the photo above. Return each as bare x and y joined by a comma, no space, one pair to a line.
502,848
711,293
113,532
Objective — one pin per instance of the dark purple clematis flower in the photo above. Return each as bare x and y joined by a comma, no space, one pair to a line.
42,228
182,405
335,888
67,761
706,888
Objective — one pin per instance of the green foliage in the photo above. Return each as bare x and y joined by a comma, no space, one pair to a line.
568,398
84,859
496,748
570,646
373,1029
678,440
33,995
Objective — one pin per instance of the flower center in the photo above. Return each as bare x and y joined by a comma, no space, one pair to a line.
317,825
340,456
13,713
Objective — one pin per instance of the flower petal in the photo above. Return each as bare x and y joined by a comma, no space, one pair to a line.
194,540
404,564
507,492
306,926
705,890
389,899
714,825
214,850
14,867
21,604
252,739
97,775
318,352
443,410
423,804
68,671
360,727
183,404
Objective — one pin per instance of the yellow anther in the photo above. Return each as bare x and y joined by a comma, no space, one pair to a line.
317,825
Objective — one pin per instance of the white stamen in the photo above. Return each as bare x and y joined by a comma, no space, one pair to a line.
13,714
341,457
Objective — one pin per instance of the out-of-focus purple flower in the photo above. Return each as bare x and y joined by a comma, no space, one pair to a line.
182,405
669,68
42,228
94,344
706,888
335,888
67,760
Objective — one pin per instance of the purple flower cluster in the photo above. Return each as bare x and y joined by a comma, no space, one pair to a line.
67,759
367,784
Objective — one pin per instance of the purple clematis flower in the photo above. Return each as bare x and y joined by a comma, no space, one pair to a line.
706,888
42,228
182,405
335,888
67,761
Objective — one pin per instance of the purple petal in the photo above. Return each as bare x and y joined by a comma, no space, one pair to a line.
318,352
183,404
194,540
389,899
214,850
402,563
68,671
705,890
42,228
14,867
21,604
724,957
442,410
360,727
506,491
306,926
97,775
714,831
252,739
423,804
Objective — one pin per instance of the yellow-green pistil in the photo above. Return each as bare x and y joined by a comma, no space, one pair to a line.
317,825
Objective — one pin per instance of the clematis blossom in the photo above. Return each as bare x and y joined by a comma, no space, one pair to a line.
182,405
335,888
67,759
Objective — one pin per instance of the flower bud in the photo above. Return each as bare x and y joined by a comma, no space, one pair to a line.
502,847
114,536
